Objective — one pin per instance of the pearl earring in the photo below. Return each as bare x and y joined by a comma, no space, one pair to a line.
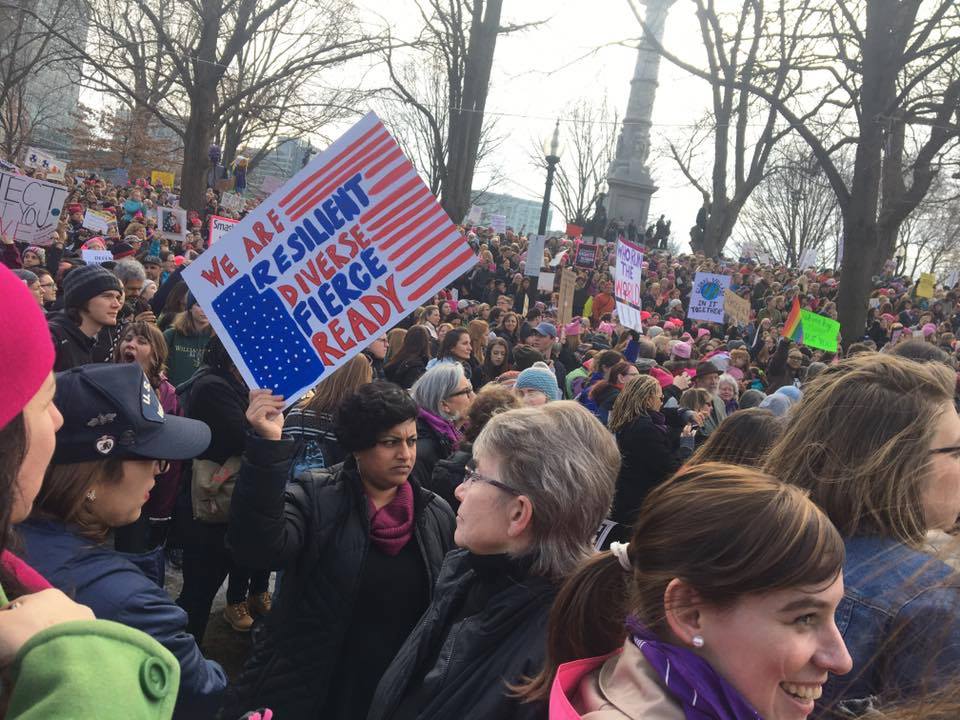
697,641
91,495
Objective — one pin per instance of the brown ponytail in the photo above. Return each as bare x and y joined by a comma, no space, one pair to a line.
728,531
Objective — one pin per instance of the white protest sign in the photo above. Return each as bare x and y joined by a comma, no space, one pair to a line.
706,299
534,255
545,281
231,201
29,208
219,226
627,289
498,223
475,215
809,258
96,257
98,222
558,258
270,184
339,255
40,160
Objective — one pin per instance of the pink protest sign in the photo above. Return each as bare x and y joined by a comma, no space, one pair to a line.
334,258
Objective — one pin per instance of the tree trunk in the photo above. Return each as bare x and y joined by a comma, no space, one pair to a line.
466,122
196,145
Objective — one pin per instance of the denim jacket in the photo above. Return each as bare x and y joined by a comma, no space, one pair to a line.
900,619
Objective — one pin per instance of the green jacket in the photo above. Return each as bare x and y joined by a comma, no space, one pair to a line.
92,669
186,354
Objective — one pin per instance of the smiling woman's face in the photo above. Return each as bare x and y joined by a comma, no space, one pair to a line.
777,649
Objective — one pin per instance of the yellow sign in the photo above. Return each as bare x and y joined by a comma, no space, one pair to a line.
925,286
158,176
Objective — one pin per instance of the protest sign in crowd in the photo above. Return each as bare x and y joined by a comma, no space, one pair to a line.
456,471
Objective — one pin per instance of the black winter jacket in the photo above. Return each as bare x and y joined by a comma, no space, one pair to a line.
473,656
431,448
317,528
71,346
649,457
406,372
448,475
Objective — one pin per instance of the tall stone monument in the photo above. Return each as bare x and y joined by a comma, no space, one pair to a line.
629,178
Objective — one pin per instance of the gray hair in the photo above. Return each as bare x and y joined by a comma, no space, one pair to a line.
563,459
436,385
727,378
129,269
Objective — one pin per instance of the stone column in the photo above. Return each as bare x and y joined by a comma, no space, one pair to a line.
629,177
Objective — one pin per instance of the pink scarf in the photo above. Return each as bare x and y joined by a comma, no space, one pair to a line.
391,527
29,579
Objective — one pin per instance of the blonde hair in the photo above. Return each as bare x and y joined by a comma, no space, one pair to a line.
478,330
332,391
859,442
634,400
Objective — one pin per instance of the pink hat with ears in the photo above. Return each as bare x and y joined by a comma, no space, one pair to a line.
606,328
681,350
702,332
573,328
929,329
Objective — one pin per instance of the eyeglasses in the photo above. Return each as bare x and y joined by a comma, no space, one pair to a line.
162,466
471,476
465,391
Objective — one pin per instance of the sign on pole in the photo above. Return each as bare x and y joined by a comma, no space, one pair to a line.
707,298
627,290
586,256
926,284
498,223
475,215
736,307
29,208
172,222
219,226
534,255
568,282
340,254
545,282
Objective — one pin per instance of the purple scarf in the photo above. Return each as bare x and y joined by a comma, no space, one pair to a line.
391,527
441,425
659,420
702,693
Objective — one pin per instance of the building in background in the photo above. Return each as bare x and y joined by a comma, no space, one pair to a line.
282,163
521,214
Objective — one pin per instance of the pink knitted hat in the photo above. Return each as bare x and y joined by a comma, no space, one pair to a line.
26,350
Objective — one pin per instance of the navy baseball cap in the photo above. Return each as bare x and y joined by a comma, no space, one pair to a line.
546,329
111,411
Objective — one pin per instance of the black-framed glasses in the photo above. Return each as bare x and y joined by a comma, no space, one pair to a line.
162,466
465,391
471,476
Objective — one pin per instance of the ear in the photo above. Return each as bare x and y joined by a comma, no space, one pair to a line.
681,605
521,516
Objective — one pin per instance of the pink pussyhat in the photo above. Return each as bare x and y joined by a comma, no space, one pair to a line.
573,328
606,328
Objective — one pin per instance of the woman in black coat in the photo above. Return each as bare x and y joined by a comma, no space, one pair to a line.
410,362
642,428
361,545
538,488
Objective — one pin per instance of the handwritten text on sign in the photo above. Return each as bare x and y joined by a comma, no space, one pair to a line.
706,300
627,290
29,209
341,253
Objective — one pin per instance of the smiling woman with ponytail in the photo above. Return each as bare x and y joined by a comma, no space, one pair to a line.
721,606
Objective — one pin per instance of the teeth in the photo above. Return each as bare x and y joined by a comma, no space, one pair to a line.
804,692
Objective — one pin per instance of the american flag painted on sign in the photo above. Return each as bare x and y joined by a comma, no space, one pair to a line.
338,255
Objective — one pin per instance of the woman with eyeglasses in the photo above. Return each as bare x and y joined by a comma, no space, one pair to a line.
443,396
540,484
102,472
360,544
876,443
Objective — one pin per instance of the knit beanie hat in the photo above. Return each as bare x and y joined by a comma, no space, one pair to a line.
39,252
681,350
26,352
539,377
929,329
87,281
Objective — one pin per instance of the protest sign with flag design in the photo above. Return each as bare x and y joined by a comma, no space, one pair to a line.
340,254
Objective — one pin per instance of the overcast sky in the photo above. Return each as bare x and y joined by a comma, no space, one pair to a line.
539,73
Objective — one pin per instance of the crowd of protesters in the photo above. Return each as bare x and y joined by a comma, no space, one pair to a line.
501,508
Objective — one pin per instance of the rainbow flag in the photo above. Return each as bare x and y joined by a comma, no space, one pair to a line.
793,328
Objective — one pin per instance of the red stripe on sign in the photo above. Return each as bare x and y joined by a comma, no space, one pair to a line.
419,236
387,202
395,155
438,276
447,242
357,162
410,227
319,173
391,177
419,195
421,205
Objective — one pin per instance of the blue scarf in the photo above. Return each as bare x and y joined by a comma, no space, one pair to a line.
702,693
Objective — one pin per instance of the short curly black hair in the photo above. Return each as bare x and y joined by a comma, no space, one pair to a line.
373,409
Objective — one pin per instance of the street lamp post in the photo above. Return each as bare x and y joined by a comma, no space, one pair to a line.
551,154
